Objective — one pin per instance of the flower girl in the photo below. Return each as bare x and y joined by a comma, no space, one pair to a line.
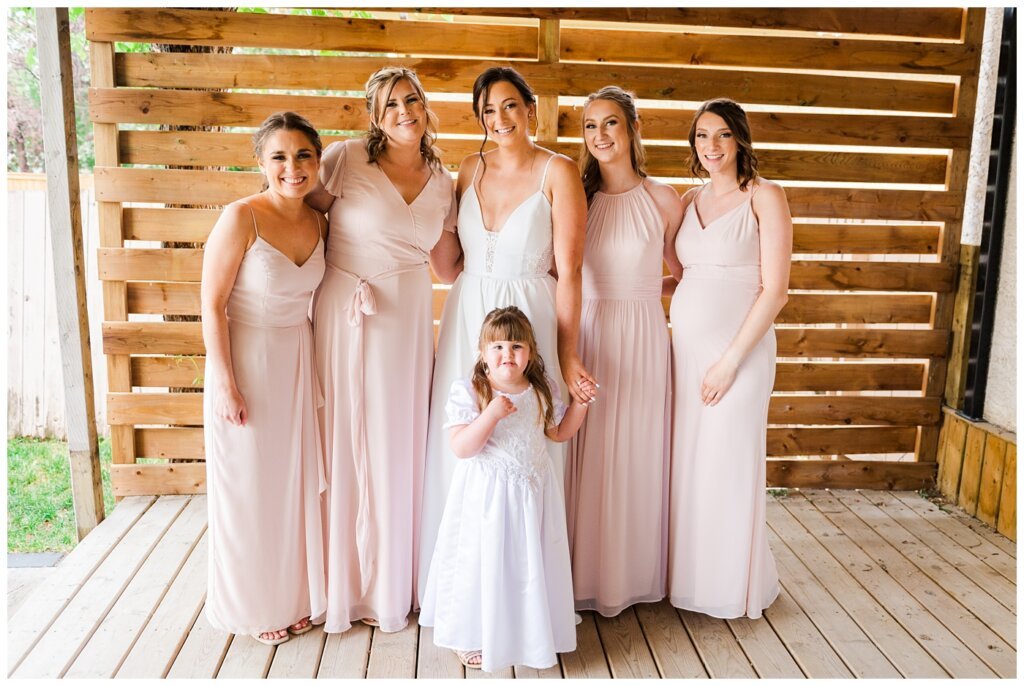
499,589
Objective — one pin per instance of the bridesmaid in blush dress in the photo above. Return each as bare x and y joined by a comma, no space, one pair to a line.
734,250
617,474
388,198
264,472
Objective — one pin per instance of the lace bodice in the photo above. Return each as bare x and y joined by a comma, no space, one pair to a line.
517,449
521,249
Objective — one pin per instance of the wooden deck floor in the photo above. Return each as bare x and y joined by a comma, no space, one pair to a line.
875,584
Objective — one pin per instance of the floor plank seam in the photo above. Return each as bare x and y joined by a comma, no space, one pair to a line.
99,562
913,634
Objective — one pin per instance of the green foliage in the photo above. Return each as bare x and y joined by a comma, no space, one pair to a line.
24,110
40,513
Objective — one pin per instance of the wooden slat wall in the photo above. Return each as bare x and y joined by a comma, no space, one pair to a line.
978,470
865,115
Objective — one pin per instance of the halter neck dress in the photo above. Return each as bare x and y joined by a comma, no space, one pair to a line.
617,473
719,560
264,479
374,349
501,268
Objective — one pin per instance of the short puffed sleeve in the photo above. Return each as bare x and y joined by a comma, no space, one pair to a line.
332,168
558,407
462,407
451,218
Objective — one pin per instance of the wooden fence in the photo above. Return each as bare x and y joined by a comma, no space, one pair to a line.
978,470
865,115
35,381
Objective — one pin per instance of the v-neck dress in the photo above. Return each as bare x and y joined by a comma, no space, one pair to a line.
265,479
507,267
616,481
374,343
719,560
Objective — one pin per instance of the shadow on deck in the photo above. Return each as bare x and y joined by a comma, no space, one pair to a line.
875,584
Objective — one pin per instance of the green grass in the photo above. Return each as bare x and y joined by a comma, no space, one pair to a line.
40,515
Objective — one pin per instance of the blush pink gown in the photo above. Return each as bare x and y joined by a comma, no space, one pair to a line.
617,470
719,560
264,479
374,347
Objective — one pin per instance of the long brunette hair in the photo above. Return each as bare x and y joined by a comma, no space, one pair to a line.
736,119
482,90
510,324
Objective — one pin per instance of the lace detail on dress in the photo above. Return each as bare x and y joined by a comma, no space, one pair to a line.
537,263
517,450
492,241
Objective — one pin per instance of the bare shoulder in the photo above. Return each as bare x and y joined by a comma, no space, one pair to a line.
769,195
561,165
466,170
662,193
562,175
235,223
688,197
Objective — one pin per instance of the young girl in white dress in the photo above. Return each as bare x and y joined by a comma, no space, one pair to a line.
499,589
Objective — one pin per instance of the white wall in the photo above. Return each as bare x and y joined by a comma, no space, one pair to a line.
1001,391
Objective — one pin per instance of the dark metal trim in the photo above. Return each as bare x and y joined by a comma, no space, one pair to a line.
994,224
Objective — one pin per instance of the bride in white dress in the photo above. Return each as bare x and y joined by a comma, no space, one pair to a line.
522,213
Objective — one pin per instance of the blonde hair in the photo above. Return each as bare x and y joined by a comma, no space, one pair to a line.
590,168
510,324
378,91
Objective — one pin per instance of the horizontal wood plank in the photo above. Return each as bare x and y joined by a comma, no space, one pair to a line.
302,72
844,441
219,108
185,338
925,23
838,376
163,298
219,188
187,443
186,409
272,30
210,149
194,225
888,476
158,479
166,264
187,371
862,308
841,54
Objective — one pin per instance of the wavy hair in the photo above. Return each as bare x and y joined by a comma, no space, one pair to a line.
510,324
590,168
482,90
378,91
736,119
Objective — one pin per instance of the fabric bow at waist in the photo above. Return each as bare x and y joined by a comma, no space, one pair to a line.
362,305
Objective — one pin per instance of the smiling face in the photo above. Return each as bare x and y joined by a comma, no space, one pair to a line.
403,115
290,163
506,360
606,131
505,115
715,144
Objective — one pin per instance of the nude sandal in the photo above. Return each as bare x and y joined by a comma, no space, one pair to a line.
270,641
299,632
465,655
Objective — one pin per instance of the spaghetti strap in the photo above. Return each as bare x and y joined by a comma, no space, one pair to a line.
255,227
479,162
544,176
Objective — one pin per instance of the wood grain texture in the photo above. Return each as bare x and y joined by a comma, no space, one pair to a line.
926,23
272,30
850,474
300,72
1006,522
853,54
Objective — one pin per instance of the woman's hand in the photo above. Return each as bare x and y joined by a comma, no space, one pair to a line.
230,406
582,386
717,382
500,407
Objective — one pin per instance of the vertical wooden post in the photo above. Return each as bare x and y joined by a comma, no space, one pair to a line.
949,250
60,147
115,293
548,50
